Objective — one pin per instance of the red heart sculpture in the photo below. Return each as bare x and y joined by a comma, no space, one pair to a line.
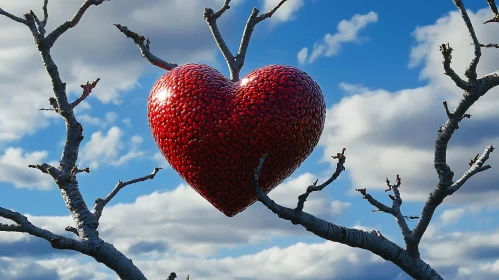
213,131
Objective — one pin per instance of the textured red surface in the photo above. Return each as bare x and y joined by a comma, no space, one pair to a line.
212,131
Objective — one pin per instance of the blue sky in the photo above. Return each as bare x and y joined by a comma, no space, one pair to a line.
381,74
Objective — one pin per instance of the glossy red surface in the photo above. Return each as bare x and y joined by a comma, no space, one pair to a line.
212,131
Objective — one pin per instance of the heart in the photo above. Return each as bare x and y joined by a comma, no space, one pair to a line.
213,131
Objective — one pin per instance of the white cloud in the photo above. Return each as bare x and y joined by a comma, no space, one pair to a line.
286,12
353,89
127,122
177,212
491,267
87,119
451,29
111,117
108,119
463,255
56,268
106,149
318,261
302,55
347,31
160,160
83,106
14,169
390,133
473,259
452,216
69,268
338,207
114,59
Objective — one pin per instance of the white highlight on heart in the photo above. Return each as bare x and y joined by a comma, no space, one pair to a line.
164,96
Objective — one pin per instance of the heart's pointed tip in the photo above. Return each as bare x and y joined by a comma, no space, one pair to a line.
230,214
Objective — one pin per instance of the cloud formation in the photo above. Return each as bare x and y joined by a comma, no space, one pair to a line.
14,169
389,133
106,149
330,45
83,55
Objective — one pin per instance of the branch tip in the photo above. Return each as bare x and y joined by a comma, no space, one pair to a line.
145,49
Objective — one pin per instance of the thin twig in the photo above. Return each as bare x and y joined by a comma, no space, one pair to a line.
471,70
489,46
447,53
493,7
235,63
22,224
12,17
54,35
312,188
211,19
87,89
101,203
71,229
45,13
145,49
476,166
394,210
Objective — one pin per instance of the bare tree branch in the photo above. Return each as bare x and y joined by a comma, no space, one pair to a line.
12,17
211,18
394,210
476,166
271,12
248,30
71,229
235,63
374,202
339,168
64,175
447,53
76,170
87,89
473,90
101,203
369,240
145,49
24,225
489,46
45,13
54,35
493,7
41,28
471,70
488,82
